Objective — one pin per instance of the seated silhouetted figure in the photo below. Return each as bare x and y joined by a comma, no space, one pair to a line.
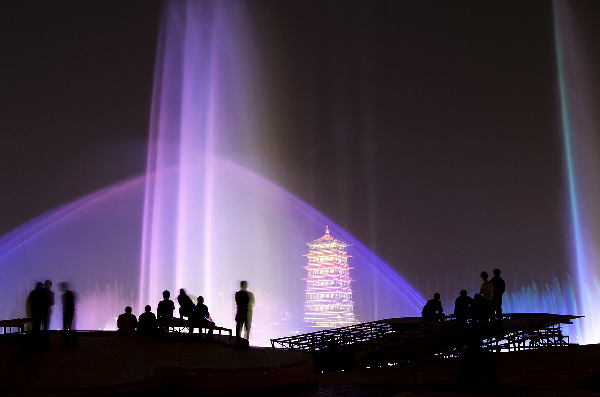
165,310
147,322
201,318
462,307
433,309
186,306
477,369
479,310
127,322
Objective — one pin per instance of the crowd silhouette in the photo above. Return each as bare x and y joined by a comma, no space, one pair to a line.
39,309
483,309
476,363
193,316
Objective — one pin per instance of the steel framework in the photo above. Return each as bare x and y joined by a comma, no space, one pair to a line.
403,339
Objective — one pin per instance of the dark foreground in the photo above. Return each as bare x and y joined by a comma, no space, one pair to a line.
109,364
116,365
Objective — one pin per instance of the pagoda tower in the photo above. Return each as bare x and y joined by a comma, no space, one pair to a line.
328,294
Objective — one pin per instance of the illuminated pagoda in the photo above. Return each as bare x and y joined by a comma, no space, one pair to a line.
328,294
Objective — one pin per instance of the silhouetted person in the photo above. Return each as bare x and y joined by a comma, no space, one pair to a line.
68,305
462,307
39,306
201,318
127,322
433,309
50,294
186,306
486,290
147,322
165,309
499,288
478,310
477,366
39,302
244,301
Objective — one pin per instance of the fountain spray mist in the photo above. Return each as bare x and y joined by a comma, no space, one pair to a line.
580,124
209,221
200,218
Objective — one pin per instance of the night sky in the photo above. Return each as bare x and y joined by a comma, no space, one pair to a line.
429,130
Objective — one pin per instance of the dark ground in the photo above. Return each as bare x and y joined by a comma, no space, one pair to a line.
122,361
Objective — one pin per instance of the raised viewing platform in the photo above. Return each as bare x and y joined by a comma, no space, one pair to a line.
404,339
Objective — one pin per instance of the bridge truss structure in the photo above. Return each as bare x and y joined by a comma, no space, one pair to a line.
405,339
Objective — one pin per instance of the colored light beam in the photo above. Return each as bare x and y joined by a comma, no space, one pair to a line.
579,126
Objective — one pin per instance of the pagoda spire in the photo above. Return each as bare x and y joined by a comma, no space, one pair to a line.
327,230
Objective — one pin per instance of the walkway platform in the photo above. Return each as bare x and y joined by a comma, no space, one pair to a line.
106,363
397,340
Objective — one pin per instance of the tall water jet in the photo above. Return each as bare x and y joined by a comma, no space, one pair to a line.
210,221
200,114
581,147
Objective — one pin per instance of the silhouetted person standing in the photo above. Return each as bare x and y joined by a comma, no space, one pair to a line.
68,304
486,290
50,295
244,300
186,306
39,306
38,301
165,309
127,322
147,321
433,309
462,307
50,302
499,289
